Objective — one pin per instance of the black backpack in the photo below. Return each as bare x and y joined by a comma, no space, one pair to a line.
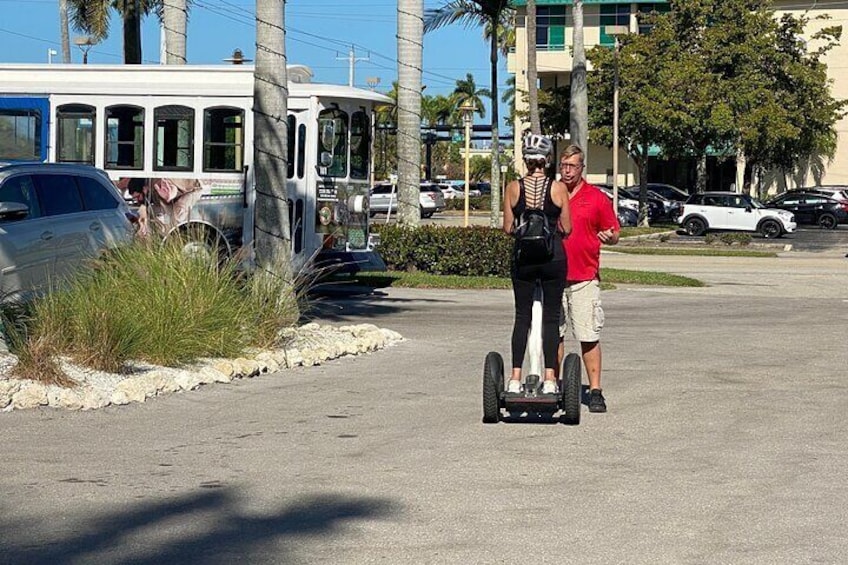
534,236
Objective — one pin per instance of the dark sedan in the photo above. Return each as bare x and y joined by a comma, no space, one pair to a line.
814,209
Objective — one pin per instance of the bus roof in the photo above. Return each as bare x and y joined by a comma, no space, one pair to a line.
173,80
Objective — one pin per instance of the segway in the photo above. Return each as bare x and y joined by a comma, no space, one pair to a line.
531,399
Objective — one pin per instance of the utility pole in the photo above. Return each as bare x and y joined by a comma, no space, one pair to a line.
352,59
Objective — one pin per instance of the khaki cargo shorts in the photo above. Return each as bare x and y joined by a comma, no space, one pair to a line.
582,314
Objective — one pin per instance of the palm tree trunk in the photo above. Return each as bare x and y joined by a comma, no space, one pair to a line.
410,51
174,16
270,139
579,110
495,217
701,172
532,79
63,31
132,32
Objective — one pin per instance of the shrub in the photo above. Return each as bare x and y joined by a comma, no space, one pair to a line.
737,238
155,303
483,202
474,251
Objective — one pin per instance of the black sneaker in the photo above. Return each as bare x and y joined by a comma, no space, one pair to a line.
596,401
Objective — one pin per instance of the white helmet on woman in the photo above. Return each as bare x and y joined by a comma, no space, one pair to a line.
537,147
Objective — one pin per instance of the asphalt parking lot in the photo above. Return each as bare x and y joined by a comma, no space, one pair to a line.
724,442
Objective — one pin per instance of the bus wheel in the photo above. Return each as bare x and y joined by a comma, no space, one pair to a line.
203,243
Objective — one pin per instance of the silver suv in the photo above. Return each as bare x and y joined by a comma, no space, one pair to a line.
52,218
732,211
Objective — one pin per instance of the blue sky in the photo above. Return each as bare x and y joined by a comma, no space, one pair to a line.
319,32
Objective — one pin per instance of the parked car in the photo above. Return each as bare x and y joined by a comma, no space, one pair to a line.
451,191
628,209
838,192
669,191
813,208
656,208
732,211
623,200
52,218
383,199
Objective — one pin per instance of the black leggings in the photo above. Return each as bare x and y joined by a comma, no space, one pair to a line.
551,275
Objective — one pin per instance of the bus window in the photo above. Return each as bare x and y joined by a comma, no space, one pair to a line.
360,143
174,138
124,137
75,137
301,149
223,139
337,147
290,133
20,134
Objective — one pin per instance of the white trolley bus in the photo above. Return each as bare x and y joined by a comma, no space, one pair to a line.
180,140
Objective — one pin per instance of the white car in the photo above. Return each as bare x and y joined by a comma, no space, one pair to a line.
733,211
383,200
451,191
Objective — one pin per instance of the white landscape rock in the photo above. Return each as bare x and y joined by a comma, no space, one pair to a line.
305,346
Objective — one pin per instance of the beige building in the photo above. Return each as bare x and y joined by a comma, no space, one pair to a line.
554,44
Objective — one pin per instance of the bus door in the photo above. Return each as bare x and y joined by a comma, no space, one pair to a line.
297,176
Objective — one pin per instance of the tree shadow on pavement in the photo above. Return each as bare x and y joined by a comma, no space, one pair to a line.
203,527
344,304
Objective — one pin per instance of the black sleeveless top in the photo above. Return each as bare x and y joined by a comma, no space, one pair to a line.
535,193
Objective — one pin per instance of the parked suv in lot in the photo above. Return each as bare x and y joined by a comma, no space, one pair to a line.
732,211
52,218
384,199
813,208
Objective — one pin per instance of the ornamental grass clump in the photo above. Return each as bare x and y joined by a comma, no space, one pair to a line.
158,304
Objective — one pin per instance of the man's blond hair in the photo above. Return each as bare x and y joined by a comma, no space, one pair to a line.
571,151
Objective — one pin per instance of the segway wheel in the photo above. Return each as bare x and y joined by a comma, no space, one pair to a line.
493,383
571,384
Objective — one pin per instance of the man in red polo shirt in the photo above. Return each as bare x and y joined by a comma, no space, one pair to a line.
593,222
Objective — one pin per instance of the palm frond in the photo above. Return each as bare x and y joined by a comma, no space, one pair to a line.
466,12
90,17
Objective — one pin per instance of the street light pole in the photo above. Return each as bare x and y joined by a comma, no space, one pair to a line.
615,133
467,108
85,44
615,31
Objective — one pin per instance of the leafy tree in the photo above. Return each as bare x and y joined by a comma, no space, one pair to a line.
477,13
724,75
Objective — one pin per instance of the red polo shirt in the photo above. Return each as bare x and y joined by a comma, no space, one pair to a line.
591,212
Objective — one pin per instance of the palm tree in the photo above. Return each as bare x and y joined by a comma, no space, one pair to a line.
270,107
92,18
63,31
466,89
532,78
436,110
174,17
410,54
479,13
579,120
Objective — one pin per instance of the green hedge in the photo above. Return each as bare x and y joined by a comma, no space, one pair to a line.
474,251
474,203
